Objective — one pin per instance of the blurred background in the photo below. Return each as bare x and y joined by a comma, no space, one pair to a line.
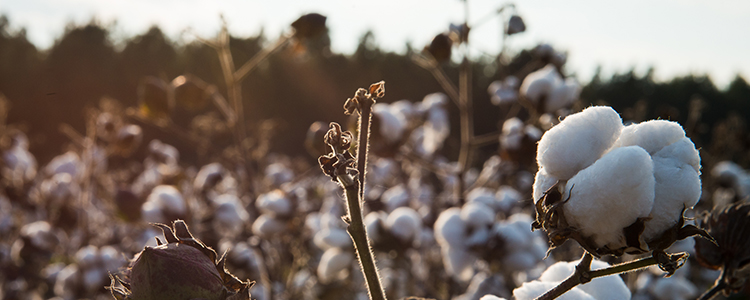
116,114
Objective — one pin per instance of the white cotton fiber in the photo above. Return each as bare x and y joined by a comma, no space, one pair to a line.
610,195
395,197
673,288
578,141
562,95
542,182
606,287
332,238
266,226
392,125
374,222
532,290
450,229
651,135
404,223
477,214
539,83
507,197
458,263
482,195
678,186
491,297
332,262
275,203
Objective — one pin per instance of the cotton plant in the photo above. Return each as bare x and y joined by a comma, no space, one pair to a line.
276,208
617,189
19,165
548,91
503,92
611,287
164,204
733,181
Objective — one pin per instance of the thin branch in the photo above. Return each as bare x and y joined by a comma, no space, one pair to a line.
427,62
240,74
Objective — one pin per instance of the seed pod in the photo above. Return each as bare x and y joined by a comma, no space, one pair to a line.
184,268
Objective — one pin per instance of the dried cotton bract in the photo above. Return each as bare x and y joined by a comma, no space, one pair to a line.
615,188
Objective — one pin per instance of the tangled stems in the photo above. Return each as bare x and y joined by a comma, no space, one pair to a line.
584,274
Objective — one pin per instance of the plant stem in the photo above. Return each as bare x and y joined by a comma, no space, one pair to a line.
584,274
363,144
357,232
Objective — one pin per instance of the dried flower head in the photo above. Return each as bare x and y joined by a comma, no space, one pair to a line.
731,253
515,25
339,161
309,26
154,98
440,47
184,268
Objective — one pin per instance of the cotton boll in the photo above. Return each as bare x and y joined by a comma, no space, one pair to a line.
542,182
395,197
230,214
519,261
266,226
512,133
20,163
275,203
374,222
507,198
673,288
482,195
651,135
69,163
437,124
332,238
562,95
164,153
67,281
477,214
539,83
511,234
491,297
59,188
404,223
334,261
678,186
532,290
208,176
41,235
479,236
278,174
578,141
458,263
606,287
392,125
610,195
450,229
87,256
163,201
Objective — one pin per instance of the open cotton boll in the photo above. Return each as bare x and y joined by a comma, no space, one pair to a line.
539,83
278,174
332,262
404,223
332,238
20,163
678,186
395,197
562,95
93,279
606,287
450,229
392,125
578,141
673,288
267,226
230,213
477,214
458,263
533,289
164,200
482,195
69,163
651,135
87,256
491,297
507,197
542,182
610,195
374,222
437,124
275,203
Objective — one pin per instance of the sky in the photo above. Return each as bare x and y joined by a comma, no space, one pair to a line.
676,37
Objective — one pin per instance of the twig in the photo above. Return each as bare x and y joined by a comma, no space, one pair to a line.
584,274
250,65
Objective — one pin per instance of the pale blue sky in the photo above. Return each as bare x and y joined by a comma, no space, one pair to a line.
677,37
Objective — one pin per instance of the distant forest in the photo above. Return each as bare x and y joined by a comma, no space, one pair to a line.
55,86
